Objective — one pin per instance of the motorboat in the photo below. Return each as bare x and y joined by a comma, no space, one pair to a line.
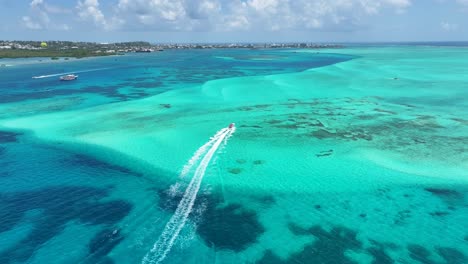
68,77
231,125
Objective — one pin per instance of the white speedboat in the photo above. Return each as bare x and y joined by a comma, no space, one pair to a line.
68,77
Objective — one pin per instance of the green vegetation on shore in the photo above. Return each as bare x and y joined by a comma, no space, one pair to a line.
23,53
68,49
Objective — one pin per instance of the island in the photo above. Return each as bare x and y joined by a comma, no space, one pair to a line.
69,49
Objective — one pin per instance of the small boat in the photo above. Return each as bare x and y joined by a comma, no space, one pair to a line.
231,125
68,77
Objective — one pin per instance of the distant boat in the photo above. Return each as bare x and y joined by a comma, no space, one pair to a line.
68,77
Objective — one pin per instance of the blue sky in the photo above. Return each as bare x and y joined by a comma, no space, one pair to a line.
234,20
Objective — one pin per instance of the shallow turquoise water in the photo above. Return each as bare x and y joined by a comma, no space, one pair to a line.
355,155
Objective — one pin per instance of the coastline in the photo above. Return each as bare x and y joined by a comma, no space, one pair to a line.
52,54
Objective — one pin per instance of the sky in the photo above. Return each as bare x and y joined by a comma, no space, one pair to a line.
171,21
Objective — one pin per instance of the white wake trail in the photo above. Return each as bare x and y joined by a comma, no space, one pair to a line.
172,229
197,155
65,73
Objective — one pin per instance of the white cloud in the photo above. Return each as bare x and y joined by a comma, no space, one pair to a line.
35,3
449,26
39,16
89,10
30,24
226,15
237,22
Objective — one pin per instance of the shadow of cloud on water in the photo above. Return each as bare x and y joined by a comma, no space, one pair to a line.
59,206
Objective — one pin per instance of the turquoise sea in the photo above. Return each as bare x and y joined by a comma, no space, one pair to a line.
352,155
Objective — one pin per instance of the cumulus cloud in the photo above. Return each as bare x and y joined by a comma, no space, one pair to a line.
89,10
222,15
218,15
39,16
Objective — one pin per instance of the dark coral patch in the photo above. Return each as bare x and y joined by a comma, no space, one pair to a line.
81,160
324,153
297,230
258,162
439,213
380,256
346,135
329,247
253,126
229,227
262,106
420,254
271,258
288,126
274,121
401,217
323,134
58,206
235,170
452,255
385,111
103,242
366,117
267,199
246,108
461,120
315,123
105,213
441,192
8,137
105,260
152,84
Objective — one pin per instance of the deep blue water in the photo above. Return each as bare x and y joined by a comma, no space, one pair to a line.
136,76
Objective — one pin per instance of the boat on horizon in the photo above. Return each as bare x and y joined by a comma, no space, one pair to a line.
68,77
